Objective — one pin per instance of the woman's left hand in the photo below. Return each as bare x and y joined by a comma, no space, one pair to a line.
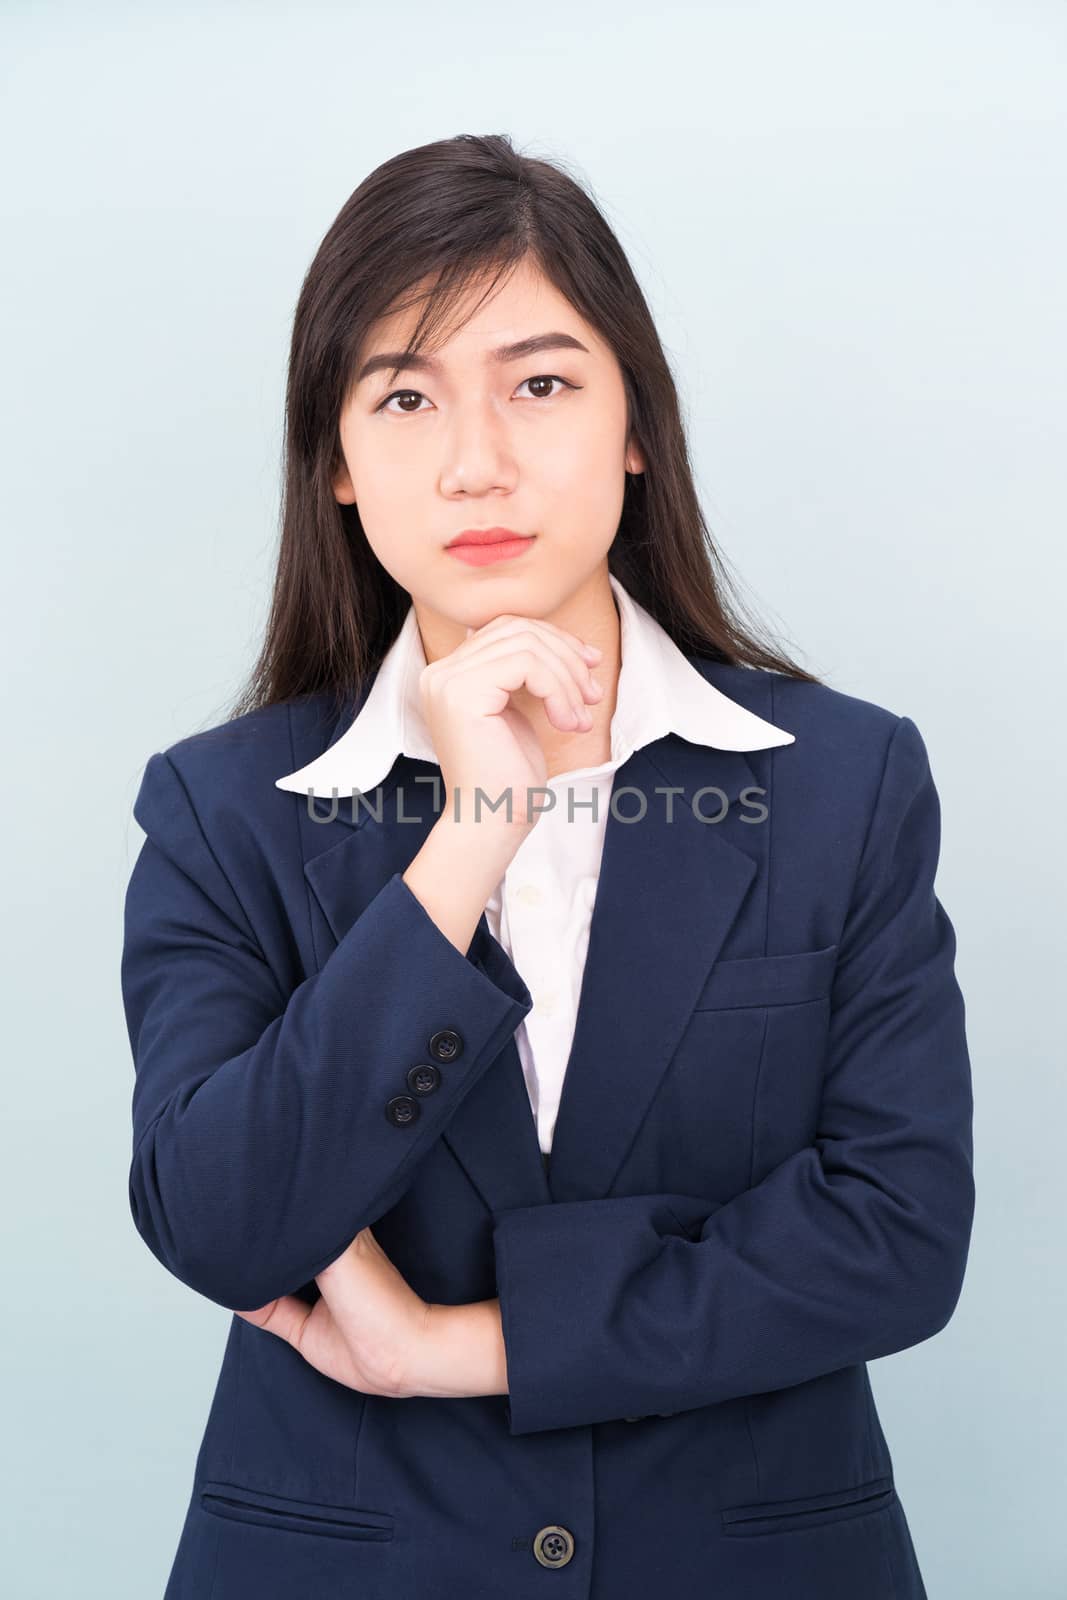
366,1330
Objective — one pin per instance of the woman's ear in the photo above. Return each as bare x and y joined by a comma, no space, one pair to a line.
635,458
343,491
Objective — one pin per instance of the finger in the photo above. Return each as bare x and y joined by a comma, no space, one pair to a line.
501,669
506,618
285,1317
531,665
567,646
554,674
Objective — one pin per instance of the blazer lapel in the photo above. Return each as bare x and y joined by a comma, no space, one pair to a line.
667,895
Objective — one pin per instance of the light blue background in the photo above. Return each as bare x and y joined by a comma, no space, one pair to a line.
849,221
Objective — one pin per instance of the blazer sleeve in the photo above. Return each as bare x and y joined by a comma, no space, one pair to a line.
852,1248
261,1145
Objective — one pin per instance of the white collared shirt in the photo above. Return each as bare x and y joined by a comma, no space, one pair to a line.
541,909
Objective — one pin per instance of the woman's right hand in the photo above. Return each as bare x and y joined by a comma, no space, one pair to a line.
482,741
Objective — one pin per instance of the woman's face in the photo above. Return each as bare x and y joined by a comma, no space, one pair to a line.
535,442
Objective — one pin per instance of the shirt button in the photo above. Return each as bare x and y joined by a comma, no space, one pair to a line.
529,894
553,1546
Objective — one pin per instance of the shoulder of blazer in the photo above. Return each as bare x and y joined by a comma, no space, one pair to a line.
847,782
824,719
830,778
227,771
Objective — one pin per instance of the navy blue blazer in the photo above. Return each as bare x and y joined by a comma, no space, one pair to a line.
761,1175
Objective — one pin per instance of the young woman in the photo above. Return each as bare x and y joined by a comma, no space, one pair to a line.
546,1034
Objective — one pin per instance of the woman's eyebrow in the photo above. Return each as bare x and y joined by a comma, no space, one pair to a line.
505,352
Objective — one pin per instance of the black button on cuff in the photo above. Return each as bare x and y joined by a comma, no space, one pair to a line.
423,1078
446,1044
402,1110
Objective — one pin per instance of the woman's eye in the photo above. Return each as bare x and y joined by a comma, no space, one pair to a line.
402,394
548,378
413,394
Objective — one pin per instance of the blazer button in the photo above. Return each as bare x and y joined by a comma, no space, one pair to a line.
402,1110
553,1546
446,1044
423,1079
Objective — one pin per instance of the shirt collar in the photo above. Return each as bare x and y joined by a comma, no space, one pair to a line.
659,692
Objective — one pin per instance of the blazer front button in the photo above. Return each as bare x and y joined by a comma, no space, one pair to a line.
423,1079
553,1546
446,1044
402,1110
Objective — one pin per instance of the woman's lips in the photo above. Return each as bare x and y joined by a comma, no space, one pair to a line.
482,555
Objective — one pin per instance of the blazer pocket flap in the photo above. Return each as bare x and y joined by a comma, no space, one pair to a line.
241,1504
775,1516
769,980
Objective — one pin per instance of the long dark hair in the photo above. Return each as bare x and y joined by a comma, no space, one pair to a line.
452,212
